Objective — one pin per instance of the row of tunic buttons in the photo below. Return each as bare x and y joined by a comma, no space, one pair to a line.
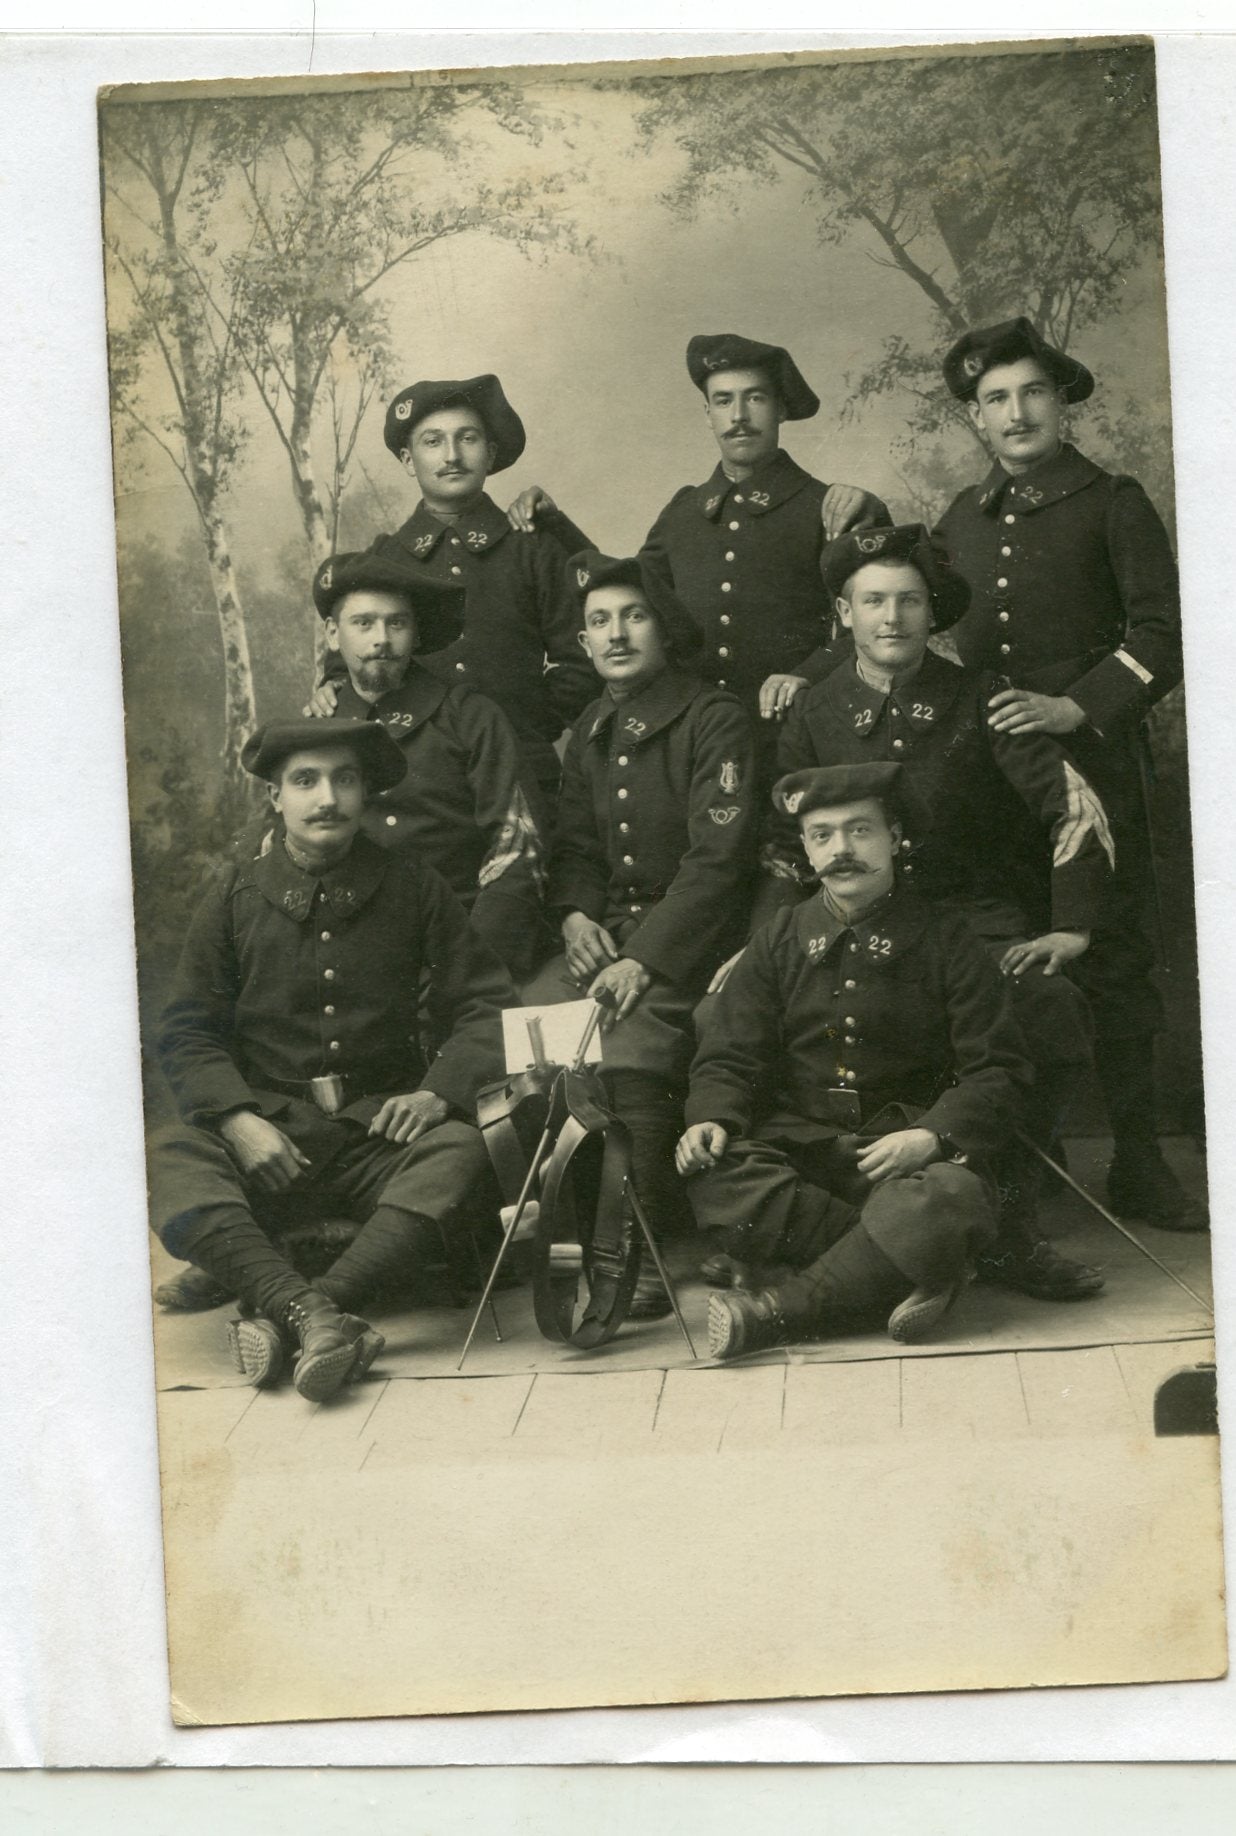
727,586
328,975
1006,551
456,569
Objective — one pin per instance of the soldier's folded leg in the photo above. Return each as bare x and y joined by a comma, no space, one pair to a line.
851,1285
765,1207
413,1199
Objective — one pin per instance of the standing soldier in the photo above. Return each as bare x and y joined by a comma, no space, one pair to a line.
653,860
856,1082
742,550
1074,597
518,640
995,800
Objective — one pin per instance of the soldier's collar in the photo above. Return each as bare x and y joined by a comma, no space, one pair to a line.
416,698
1068,472
345,887
923,700
881,934
648,712
772,483
480,527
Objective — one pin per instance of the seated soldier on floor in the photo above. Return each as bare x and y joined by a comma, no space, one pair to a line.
997,802
856,1081
291,1044
463,806
653,860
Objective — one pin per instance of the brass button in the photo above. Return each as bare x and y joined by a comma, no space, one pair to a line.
328,975
898,744
628,860
733,525
1004,618
723,652
328,1009
1006,551
851,984
729,554
738,497
455,568
461,666
623,759
1005,649
725,618
726,587
325,936
1002,582
1010,518
624,828
391,821
334,1045
622,793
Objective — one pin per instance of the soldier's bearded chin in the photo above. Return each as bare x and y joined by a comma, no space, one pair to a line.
379,675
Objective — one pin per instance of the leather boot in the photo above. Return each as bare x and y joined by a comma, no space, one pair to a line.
741,1321
332,1345
1140,1184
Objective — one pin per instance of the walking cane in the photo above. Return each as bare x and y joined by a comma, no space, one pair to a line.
1115,1223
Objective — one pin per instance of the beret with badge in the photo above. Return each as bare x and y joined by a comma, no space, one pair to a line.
482,393
826,787
709,352
590,569
381,761
385,568
908,542
979,351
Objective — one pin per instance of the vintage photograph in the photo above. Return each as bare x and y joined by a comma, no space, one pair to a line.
663,891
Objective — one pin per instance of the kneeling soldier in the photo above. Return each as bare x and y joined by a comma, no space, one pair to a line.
653,860
855,1084
290,1042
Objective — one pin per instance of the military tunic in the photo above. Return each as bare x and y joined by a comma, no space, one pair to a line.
994,797
1075,592
1073,583
826,1031
519,617
285,976
745,560
462,807
657,824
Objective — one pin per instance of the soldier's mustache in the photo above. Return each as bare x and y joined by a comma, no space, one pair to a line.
846,863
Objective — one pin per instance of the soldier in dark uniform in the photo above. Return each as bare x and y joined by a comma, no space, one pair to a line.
994,799
464,806
519,616
1075,598
291,1042
653,861
742,550
856,1082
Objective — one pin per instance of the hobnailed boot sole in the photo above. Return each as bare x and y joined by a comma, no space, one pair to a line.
734,1327
914,1318
319,1377
257,1349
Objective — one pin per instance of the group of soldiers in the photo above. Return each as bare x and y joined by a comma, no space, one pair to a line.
861,916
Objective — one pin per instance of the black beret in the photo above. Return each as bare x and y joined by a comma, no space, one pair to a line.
386,568
381,760
709,352
484,393
822,787
949,590
979,351
679,631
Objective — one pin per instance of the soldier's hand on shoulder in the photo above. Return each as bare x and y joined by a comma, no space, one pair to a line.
1053,949
522,514
403,1118
624,982
777,695
906,1150
702,1146
1016,710
589,946
322,702
848,507
261,1151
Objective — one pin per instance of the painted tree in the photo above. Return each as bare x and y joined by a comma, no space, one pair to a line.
985,186
331,196
174,359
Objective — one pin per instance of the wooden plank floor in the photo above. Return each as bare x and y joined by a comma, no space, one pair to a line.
400,1422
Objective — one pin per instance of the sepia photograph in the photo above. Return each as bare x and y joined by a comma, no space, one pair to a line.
663,889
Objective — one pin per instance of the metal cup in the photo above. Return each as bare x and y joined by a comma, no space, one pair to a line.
327,1092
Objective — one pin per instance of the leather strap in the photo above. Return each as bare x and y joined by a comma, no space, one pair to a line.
587,1245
